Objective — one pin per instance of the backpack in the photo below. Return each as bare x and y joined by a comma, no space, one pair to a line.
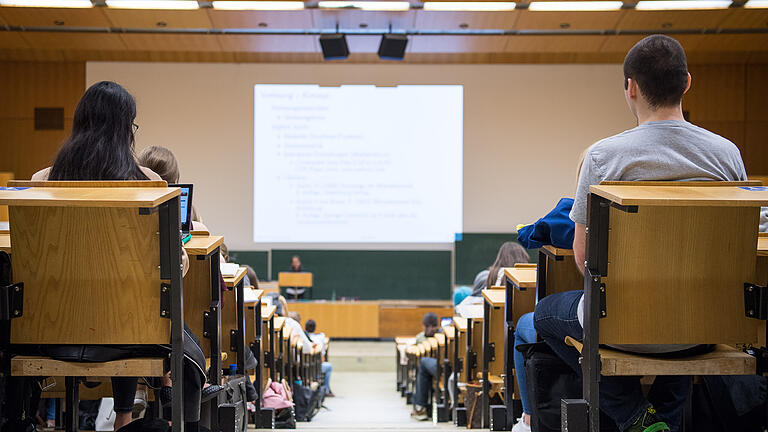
549,379
307,402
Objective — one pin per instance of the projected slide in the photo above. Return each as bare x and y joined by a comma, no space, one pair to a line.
357,164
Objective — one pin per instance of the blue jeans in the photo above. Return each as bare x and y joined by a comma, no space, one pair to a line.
524,334
427,371
326,370
621,397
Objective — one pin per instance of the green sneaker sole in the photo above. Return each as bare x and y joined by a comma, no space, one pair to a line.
657,427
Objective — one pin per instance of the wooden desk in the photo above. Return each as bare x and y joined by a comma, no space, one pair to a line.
762,244
88,197
233,318
4,178
523,278
5,242
493,350
558,272
724,196
202,298
268,329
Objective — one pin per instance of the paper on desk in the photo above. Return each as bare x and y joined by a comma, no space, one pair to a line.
5,226
470,310
229,269
249,295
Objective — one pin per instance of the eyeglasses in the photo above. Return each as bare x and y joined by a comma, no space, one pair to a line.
135,128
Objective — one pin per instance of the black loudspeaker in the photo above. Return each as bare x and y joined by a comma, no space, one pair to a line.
392,47
334,46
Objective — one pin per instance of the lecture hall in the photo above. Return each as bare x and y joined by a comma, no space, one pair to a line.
393,215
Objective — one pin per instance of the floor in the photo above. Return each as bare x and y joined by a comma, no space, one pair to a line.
363,381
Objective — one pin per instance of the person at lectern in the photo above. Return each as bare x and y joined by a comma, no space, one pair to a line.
295,292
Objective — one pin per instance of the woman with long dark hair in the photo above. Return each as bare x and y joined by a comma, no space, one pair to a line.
101,148
101,144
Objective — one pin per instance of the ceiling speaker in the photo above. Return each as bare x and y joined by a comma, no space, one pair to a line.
334,46
392,47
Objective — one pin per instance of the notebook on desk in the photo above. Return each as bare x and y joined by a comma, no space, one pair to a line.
185,209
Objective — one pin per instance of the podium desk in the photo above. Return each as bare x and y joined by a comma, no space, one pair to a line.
295,280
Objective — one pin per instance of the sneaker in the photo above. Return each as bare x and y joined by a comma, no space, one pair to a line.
521,426
419,413
648,422
139,404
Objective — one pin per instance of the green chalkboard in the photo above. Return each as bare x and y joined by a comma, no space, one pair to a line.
372,275
256,259
475,252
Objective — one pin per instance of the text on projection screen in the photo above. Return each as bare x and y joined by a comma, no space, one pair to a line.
357,163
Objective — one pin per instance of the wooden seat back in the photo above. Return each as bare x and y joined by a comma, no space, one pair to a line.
90,264
676,268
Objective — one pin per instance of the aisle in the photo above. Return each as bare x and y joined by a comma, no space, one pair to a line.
364,383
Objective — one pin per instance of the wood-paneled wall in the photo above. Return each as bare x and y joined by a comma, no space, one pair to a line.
23,87
731,100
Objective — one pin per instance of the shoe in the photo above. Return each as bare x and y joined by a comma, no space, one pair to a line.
648,422
139,404
330,394
419,413
521,426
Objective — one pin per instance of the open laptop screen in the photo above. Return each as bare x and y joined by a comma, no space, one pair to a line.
185,206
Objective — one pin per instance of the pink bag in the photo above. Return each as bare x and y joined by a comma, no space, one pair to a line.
275,396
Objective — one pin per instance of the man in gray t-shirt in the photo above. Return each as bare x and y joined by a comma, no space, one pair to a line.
662,147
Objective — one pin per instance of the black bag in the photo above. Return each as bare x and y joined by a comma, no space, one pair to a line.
307,402
285,419
549,380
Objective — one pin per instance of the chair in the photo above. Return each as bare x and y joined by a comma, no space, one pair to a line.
440,396
459,362
66,255
706,265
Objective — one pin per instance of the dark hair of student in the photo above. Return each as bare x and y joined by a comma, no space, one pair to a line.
660,68
430,319
101,144
160,160
310,326
510,253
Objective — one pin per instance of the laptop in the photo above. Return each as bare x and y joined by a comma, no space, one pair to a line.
185,209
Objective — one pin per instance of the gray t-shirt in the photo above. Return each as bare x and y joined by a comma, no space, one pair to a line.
670,150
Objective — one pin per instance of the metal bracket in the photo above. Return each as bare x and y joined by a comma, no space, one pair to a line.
12,301
492,351
233,335
165,300
472,358
603,308
209,322
627,209
268,357
461,364
756,301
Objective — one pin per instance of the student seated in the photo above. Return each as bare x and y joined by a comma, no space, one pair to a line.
664,146
510,253
427,369
326,368
100,147
162,161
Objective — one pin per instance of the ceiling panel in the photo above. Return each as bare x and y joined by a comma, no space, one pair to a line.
622,43
541,20
438,20
269,43
672,20
171,42
30,17
455,44
74,41
354,19
251,19
746,18
735,42
555,44
12,40
132,18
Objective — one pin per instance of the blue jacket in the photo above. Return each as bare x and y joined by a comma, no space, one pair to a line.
555,229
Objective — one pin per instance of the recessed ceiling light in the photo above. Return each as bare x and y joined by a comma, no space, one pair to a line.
48,3
756,4
574,6
152,4
469,6
682,4
366,5
258,5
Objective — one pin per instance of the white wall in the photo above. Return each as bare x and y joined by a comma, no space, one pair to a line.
524,128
